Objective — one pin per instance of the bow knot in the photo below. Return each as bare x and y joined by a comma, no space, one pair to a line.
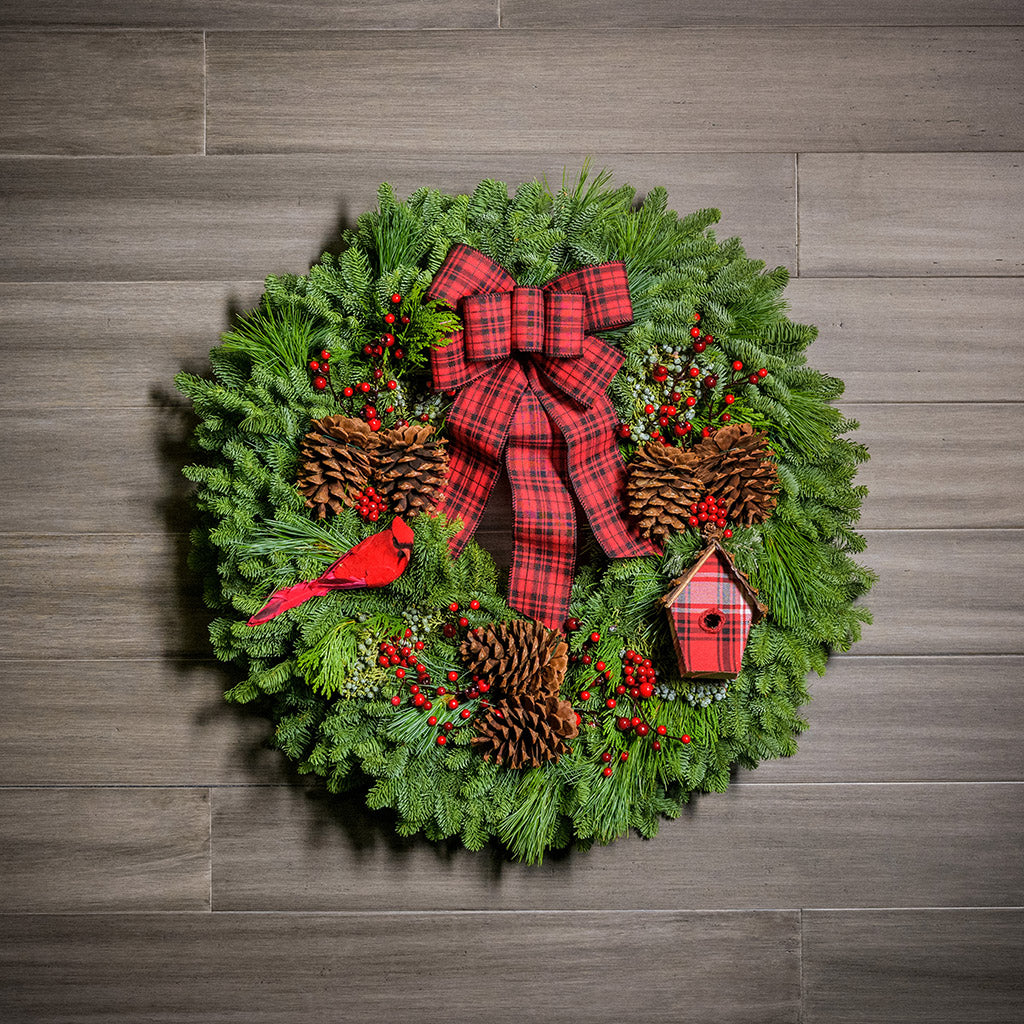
528,320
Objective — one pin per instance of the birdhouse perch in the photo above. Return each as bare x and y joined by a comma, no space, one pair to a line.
711,610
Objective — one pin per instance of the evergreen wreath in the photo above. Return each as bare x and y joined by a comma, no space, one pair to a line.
425,687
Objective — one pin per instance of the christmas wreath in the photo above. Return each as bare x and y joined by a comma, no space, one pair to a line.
683,509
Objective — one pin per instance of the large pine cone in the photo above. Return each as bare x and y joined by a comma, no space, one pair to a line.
410,469
335,463
525,731
660,487
738,468
521,656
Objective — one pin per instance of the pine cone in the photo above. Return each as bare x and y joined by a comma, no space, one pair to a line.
738,468
409,469
660,487
335,462
525,731
522,656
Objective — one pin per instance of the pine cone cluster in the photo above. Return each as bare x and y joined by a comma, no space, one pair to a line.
661,486
738,467
409,469
340,456
521,657
527,662
525,731
734,464
335,458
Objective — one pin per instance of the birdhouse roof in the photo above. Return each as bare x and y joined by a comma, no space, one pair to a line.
740,578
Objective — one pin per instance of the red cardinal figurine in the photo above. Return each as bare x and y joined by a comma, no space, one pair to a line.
374,562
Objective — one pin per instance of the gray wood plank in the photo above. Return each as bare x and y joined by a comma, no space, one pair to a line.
123,467
853,89
930,464
102,92
909,720
129,723
104,849
270,14
897,967
97,345
753,847
945,592
917,339
100,596
241,218
921,214
98,471
300,968
113,470
686,13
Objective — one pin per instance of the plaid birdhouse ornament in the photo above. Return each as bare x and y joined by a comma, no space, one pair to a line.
711,611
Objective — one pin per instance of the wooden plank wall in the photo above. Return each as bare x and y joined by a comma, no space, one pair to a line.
157,160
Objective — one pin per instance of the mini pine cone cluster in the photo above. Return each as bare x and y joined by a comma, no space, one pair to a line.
527,661
340,457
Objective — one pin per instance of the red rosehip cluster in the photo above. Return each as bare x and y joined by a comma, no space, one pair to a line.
669,419
387,341
707,510
369,505
449,629
401,653
320,371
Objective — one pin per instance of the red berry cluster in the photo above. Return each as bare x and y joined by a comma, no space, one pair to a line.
320,371
453,700
387,342
450,629
707,510
669,418
402,653
369,505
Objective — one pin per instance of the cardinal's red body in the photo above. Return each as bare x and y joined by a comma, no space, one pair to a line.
374,562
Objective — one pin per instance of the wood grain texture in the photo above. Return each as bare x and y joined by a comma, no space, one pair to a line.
918,339
920,214
241,218
100,596
880,89
129,723
102,92
95,471
692,13
926,966
945,592
932,465
267,14
908,720
757,847
305,968
104,849
167,325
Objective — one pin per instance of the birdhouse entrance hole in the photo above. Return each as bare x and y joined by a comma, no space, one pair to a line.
711,621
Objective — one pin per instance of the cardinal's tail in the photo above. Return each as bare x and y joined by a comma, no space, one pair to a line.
285,598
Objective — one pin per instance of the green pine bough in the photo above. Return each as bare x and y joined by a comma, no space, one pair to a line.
317,669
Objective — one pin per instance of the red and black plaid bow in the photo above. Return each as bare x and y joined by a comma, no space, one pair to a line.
533,380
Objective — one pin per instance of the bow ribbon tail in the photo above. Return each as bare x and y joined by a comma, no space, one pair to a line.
544,521
596,469
478,426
